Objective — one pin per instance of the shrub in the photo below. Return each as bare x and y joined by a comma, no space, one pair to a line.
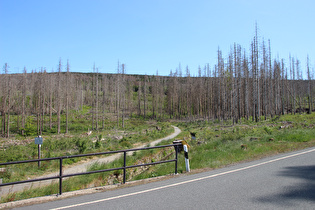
268,130
82,145
125,143
30,128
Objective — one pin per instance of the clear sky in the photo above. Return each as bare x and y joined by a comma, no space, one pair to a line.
148,35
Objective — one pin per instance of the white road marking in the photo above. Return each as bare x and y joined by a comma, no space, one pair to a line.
184,182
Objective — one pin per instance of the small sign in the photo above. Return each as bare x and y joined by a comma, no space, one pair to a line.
39,140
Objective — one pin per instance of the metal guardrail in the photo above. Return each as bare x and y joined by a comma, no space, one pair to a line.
124,167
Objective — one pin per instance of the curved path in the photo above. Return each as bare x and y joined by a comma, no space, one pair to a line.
79,168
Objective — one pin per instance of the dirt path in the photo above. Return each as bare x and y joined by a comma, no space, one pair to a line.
78,168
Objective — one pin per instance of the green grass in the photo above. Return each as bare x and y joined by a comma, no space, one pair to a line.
217,144
136,131
220,144
99,179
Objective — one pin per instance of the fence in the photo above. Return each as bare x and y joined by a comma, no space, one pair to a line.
124,167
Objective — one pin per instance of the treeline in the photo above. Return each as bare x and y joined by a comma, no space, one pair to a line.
241,86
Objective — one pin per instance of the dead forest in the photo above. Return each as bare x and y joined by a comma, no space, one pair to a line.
242,85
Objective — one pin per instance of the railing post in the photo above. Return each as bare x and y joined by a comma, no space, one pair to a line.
60,176
176,158
125,154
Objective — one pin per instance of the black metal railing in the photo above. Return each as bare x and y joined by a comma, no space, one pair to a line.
61,175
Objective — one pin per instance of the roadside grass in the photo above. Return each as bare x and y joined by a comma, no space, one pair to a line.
135,132
216,144
102,178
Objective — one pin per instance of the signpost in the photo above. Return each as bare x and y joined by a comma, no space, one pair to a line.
39,142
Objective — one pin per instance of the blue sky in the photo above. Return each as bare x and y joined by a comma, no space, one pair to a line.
148,35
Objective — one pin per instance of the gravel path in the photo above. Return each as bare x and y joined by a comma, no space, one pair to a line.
78,168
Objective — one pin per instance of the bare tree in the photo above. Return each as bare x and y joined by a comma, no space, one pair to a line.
139,99
118,83
310,88
292,71
51,91
298,86
6,99
188,93
270,83
67,96
43,102
255,67
246,87
264,73
144,96
104,84
154,96
123,91
96,99
59,96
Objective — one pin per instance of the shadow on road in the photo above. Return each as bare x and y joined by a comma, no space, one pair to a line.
304,191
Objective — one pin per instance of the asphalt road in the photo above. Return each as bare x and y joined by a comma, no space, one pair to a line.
286,181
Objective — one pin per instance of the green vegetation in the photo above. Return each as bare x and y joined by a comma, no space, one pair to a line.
217,144
136,132
100,179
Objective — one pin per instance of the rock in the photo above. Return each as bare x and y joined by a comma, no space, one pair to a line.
118,137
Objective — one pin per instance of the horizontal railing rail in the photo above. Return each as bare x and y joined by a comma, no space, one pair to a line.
61,175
